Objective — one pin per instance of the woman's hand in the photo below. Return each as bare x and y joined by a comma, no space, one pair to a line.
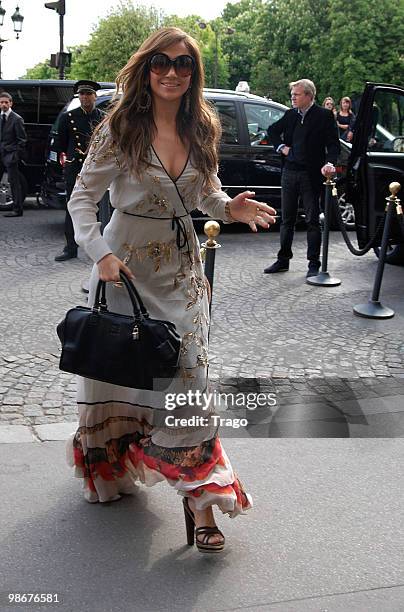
254,213
110,266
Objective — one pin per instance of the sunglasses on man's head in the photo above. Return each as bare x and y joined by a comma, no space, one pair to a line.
160,64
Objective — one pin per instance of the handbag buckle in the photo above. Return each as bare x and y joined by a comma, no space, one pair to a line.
100,308
135,333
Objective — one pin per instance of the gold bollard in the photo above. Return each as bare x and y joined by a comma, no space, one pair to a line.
211,229
394,188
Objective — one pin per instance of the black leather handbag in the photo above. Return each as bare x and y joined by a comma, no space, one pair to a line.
131,351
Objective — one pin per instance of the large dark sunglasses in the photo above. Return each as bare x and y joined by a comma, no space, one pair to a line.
160,64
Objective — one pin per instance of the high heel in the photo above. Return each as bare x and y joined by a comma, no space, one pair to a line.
204,546
189,522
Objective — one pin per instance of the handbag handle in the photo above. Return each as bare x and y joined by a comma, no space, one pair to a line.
139,309
134,292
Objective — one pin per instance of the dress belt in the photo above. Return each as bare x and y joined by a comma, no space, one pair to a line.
177,224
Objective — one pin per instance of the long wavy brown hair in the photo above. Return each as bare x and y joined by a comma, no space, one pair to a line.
132,126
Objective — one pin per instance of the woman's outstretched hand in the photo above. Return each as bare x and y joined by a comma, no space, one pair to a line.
110,266
243,208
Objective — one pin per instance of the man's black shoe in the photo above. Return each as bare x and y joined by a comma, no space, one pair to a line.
277,266
313,269
13,213
65,255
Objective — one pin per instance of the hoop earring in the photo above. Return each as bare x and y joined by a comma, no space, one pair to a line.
187,101
144,104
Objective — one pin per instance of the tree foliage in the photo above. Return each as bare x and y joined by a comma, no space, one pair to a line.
338,45
361,44
238,46
285,35
42,70
113,41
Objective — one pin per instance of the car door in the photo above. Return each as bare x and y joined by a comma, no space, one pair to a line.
232,152
377,158
262,162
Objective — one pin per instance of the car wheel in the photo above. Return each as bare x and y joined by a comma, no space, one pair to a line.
6,198
347,213
394,255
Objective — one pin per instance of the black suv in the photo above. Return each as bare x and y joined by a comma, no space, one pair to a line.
39,103
246,159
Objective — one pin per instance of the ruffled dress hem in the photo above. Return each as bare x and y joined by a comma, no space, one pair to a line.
209,483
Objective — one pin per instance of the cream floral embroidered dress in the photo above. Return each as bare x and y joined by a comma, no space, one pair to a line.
123,435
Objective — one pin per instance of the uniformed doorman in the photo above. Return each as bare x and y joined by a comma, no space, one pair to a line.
74,133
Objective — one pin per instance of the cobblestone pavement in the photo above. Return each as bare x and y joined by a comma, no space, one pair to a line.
269,332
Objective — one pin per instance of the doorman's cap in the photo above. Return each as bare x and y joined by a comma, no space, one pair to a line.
85,85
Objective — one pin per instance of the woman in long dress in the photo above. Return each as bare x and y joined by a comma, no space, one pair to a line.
157,153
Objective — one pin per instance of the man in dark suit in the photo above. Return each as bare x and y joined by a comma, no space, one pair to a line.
12,144
74,133
307,138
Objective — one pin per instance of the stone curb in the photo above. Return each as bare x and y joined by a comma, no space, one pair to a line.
22,434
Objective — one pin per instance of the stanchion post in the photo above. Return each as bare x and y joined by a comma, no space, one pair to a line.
374,309
211,229
323,279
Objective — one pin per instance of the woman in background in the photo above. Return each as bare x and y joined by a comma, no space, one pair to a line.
345,119
329,103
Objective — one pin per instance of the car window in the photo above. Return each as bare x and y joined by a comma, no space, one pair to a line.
25,101
39,103
228,119
52,100
259,118
387,129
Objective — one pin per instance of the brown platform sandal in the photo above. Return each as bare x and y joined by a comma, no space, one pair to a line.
192,533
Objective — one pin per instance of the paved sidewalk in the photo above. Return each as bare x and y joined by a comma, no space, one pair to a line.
325,535
334,374
326,531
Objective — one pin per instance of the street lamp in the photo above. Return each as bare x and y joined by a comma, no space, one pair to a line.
17,20
217,30
59,60
2,13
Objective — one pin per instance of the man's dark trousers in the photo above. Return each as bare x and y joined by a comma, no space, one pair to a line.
70,174
15,186
297,183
